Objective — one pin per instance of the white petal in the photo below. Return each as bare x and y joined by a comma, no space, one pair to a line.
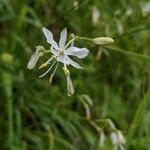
63,59
49,37
63,38
73,63
79,52
55,52
33,60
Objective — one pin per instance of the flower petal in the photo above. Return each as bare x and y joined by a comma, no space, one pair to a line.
63,38
55,52
49,37
79,52
62,59
73,63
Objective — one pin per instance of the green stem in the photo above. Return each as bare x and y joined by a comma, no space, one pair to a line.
18,124
137,118
77,37
85,38
70,42
7,86
132,31
127,52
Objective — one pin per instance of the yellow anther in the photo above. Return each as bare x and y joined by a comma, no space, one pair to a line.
43,65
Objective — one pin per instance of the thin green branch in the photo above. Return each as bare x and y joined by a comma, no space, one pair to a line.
127,52
132,31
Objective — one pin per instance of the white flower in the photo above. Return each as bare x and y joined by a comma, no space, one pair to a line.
61,50
118,139
60,53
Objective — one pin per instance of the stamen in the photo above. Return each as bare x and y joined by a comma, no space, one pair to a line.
48,70
52,75
51,78
43,65
49,59
46,63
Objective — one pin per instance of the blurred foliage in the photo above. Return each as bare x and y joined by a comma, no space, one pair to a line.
38,115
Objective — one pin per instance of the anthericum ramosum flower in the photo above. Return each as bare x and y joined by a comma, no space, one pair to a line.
62,51
118,139
34,58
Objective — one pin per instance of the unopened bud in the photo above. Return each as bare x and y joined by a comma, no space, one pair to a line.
70,89
103,40
34,58
66,71
7,58
72,35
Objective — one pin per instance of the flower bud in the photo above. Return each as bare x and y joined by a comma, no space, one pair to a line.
66,71
7,58
102,139
35,57
70,89
72,35
103,40
33,60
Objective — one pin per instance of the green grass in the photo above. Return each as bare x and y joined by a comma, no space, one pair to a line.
37,115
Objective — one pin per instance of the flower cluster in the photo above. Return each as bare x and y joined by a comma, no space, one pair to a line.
61,52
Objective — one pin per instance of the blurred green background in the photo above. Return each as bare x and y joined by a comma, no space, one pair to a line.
36,115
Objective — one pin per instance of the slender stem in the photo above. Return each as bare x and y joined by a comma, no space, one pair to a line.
132,31
48,70
56,67
70,42
127,52
85,38
137,118
18,124
77,37
7,87
47,51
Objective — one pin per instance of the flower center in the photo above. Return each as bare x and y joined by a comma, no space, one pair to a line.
62,52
